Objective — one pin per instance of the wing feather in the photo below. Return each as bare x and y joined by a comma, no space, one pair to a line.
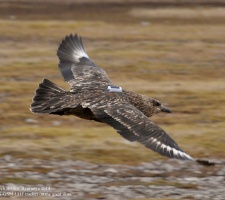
76,66
133,125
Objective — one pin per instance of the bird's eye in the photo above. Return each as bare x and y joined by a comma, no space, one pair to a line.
157,103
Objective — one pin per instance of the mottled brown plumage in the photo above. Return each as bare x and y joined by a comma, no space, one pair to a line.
93,97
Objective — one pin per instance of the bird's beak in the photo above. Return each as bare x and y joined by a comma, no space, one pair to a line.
165,109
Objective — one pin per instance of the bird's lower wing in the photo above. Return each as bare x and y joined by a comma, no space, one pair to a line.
133,125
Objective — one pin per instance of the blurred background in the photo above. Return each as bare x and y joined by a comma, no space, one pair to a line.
168,49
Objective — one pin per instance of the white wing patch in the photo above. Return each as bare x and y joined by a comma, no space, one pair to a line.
79,53
176,152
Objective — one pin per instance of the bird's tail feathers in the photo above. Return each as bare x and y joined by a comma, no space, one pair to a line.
46,97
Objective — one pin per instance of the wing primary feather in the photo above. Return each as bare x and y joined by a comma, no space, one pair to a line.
76,66
135,126
71,49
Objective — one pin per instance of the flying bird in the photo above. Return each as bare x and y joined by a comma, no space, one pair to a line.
93,96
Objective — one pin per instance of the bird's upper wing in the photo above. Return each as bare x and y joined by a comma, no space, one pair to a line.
77,68
133,125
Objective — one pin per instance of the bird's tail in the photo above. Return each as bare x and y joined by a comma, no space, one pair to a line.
46,99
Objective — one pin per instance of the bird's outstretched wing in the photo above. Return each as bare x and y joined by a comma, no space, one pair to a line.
133,125
76,66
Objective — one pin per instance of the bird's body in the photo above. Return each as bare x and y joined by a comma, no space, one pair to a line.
92,96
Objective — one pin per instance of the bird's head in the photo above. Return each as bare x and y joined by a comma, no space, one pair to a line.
158,107
152,106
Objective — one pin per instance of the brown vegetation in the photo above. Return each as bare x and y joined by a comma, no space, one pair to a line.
171,54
